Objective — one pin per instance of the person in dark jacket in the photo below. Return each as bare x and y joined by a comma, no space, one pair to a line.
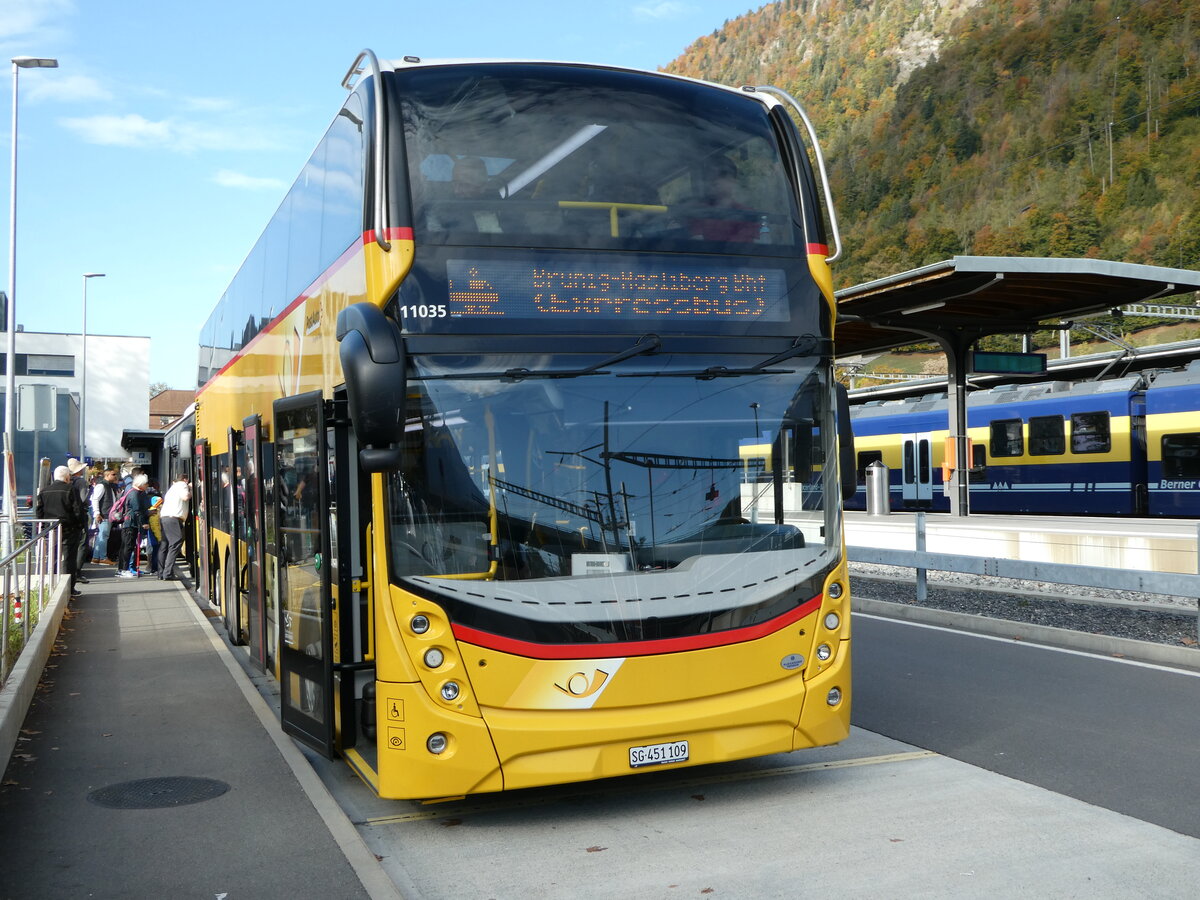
59,500
137,520
81,483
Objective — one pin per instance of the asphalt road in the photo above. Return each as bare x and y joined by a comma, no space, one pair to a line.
1117,734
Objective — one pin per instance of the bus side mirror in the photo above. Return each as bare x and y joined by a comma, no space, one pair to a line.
374,365
846,466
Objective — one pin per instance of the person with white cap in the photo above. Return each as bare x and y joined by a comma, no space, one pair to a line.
58,500
82,486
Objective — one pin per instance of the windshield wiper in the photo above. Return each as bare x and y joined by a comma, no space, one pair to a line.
647,343
802,346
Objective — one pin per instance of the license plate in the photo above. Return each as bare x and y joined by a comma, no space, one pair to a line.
658,754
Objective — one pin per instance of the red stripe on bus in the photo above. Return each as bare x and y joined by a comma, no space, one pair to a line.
822,249
396,233
368,237
634,648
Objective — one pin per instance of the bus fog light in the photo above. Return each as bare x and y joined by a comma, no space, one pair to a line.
824,652
832,621
835,589
834,697
419,624
436,743
434,657
450,690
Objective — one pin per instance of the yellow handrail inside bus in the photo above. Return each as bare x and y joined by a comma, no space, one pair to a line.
613,209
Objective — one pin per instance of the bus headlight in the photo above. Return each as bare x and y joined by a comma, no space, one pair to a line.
835,589
832,621
419,624
824,652
434,657
834,697
450,690
437,743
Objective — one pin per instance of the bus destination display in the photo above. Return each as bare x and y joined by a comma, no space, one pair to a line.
536,289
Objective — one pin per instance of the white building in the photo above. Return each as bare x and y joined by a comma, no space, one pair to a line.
118,394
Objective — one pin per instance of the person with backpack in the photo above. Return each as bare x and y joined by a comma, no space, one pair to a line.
104,495
133,509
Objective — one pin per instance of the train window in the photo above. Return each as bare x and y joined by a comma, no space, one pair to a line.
1090,433
1006,438
1047,435
865,459
1181,455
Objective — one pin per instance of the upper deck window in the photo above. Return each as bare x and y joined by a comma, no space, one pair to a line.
1047,436
1006,438
567,157
1090,432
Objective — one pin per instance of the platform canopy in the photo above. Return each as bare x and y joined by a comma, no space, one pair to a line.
975,296
957,302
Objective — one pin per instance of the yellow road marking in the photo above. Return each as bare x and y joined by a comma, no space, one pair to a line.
424,815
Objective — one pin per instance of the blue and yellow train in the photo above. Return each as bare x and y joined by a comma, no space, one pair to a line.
1123,447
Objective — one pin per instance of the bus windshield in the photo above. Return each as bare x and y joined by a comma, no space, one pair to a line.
568,157
636,500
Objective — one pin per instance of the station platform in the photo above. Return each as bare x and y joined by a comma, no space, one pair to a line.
149,766
1139,544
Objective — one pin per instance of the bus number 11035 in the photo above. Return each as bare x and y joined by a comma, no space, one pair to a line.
424,312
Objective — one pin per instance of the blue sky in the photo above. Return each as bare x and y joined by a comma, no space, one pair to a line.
160,147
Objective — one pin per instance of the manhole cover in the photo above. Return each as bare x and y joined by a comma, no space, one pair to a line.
158,793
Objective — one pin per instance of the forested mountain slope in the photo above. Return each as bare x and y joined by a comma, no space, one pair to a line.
1031,127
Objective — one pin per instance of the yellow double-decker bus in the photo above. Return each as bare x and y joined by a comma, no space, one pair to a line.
517,436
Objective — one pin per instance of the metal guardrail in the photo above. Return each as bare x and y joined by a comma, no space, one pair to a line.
1175,584
28,577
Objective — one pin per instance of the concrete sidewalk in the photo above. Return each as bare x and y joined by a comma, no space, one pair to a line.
148,766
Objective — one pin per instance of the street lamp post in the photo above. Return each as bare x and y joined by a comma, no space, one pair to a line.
10,388
83,373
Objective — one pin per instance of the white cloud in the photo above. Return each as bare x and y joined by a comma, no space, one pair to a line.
123,131
68,89
237,180
207,104
133,130
663,9
36,19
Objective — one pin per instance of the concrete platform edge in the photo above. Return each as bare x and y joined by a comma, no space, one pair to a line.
23,680
361,858
1142,651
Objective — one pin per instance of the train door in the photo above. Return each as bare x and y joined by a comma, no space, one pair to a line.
302,472
252,540
203,517
916,477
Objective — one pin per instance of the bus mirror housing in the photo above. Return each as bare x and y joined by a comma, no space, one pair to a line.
846,464
374,365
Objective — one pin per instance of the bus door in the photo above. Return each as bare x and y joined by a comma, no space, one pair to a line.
232,500
252,541
349,513
202,520
917,471
302,476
